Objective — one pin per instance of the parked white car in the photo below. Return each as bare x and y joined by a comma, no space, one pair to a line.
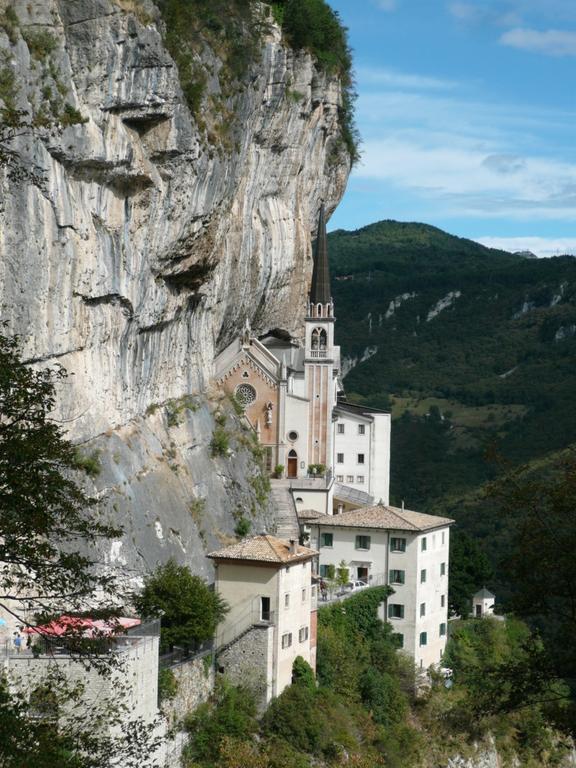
354,586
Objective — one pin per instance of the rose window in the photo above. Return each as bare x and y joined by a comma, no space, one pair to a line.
245,394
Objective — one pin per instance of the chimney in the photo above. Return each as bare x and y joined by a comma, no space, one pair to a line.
293,547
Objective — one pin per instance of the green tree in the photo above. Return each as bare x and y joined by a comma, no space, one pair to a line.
190,610
45,516
470,570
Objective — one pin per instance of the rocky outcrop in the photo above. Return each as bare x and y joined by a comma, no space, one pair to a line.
142,247
134,242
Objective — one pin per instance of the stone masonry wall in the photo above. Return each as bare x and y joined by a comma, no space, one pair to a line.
195,680
248,661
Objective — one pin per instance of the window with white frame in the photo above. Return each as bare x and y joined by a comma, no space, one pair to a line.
361,429
340,428
423,544
397,544
349,478
422,609
423,576
363,542
340,458
442,629
360,458
324,571
326,539
287,640
303,634
360,479
423,638
339,478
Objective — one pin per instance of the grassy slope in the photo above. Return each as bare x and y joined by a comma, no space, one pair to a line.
489,361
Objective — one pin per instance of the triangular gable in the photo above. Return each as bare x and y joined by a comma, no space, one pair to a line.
254,356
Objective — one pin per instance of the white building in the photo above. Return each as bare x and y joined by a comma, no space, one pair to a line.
293,397
267,583
403,549
483,603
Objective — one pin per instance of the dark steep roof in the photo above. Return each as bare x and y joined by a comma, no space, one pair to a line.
320,292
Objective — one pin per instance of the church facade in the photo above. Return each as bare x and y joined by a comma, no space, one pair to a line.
336,455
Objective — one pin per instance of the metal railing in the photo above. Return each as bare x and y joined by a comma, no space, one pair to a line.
181,655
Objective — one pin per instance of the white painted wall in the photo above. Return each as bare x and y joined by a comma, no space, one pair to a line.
374,444
380,560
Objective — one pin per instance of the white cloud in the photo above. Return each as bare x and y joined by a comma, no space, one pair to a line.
541,246
387,5
552,42
466,180
403,80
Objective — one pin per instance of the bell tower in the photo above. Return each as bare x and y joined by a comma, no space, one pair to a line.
322,358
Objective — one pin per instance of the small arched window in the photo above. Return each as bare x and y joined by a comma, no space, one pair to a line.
323,338
319,310
315,338
292,455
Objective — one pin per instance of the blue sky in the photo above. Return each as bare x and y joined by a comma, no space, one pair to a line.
467,111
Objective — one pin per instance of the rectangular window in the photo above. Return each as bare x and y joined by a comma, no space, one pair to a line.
399,638
362,542
443,535
397,545
422,609
324,571
265,614
326,539
286,600
442,629
313,592
424,544
303,595
423,576
303,634
442,569
341,429
397,577
395,611
349,478
340,458
423,638
339,478
360,479
287,640
360,458
361,429
442,601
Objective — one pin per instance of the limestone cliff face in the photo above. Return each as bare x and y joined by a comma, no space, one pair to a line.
136,243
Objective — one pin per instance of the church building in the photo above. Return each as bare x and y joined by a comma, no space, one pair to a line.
335,455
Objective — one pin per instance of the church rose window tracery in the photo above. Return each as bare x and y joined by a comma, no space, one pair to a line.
245,394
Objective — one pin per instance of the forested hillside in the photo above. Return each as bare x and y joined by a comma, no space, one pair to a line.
473,350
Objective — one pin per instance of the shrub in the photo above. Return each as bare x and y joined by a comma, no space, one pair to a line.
242,527
303,674
231,714
40,43
220,444
88,463
278,471
167,685
71,116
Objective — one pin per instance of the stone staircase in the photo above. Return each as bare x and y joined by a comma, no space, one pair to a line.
286,519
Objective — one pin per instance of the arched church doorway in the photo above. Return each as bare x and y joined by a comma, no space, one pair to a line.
293,464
